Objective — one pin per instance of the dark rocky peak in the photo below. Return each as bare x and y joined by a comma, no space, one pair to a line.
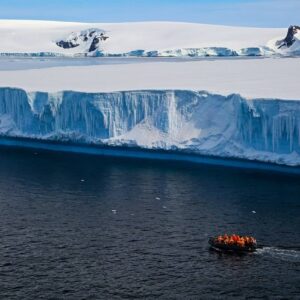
289,40
89,38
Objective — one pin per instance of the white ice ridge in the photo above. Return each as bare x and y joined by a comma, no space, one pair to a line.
185,121
48,38
252,78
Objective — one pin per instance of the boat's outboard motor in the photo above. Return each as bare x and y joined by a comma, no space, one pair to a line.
289,40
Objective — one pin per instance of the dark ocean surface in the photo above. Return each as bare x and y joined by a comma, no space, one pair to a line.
84,227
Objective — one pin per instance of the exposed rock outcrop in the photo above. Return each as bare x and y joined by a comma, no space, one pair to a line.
89,39
289,40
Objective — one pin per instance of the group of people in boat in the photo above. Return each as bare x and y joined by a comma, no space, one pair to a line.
241,241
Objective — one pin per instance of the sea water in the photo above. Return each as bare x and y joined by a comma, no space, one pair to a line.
85,227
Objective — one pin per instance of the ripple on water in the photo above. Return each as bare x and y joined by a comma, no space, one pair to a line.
279,253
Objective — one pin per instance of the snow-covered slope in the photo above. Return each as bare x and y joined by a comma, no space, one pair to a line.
197,122
252,77
138,39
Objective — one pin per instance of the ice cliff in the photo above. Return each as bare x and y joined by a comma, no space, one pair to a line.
189,121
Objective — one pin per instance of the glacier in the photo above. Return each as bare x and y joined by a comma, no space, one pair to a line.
183,52
184,121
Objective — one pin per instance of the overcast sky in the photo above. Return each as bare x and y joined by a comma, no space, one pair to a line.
258,13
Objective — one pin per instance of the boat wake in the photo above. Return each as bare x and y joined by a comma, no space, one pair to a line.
291,255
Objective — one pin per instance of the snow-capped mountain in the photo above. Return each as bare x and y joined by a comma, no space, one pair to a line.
143,39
